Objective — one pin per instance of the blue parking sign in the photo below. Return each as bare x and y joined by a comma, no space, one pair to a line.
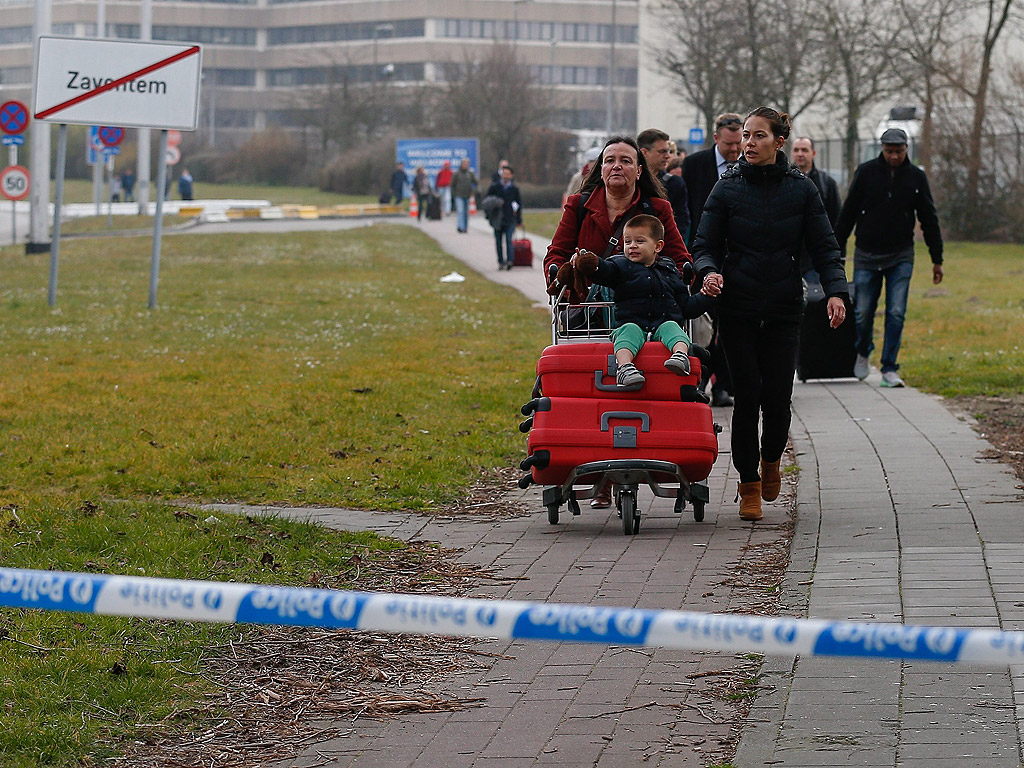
696,135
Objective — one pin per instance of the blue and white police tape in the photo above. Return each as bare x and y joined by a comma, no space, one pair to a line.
214,601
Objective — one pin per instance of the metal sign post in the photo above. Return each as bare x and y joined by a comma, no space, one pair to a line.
58,198
158,222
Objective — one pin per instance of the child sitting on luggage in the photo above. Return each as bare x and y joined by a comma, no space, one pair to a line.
650,297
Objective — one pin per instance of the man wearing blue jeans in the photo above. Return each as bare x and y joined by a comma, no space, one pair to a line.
885,197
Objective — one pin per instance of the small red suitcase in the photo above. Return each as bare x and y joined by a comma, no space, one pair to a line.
522,253
575,431
588,370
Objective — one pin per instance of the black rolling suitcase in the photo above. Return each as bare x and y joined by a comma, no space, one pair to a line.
434,208
825,353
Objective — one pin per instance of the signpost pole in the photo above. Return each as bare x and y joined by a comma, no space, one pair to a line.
58,198
12,157
158,223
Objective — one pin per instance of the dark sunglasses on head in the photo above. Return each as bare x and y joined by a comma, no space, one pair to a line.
727,122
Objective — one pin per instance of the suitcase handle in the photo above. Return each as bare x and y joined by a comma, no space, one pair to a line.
602,387
645,420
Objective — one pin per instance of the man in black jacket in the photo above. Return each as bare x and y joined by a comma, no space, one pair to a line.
657,153
701,172
884,197
803,158
504,224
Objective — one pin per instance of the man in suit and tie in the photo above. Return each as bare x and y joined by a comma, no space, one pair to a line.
701,171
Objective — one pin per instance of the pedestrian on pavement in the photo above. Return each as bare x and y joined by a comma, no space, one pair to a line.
701,172
464,184
803,158
657,153
128,185
185,185
444,187
511,215
398,182
756,220
423,191
885,195
618,187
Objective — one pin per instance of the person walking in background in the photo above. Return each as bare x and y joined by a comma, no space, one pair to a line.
803,158
511,215
443,183
464,184
757,219
185,185
884,197
398,182
128,185
422,189
701,172
657,152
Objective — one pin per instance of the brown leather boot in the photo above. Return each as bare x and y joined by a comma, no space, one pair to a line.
750,500
771,480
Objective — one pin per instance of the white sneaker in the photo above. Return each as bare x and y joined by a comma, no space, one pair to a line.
628,375
892,379
861,369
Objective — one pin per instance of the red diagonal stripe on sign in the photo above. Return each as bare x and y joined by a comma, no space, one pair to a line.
120,81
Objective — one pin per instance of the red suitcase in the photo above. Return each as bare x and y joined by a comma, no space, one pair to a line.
575,431
522,253
588,370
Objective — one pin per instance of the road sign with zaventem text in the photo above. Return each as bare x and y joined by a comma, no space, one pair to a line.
86,81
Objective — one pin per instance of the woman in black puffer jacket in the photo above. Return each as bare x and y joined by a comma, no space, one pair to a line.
756,220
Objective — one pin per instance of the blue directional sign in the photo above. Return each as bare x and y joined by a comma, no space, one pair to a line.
696,135
16,140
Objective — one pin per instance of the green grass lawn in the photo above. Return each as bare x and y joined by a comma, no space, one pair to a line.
313,368
964,336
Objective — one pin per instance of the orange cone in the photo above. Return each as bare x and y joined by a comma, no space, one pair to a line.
414,207
472,205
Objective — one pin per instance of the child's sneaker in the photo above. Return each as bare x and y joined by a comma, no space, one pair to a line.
628,375
679,363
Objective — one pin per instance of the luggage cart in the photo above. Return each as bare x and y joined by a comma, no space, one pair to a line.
590,323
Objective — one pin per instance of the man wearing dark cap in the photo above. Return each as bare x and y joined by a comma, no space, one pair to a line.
885,197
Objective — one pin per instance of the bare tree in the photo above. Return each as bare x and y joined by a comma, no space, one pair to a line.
862,35
735,56
701,54
495,99
929,35
976,86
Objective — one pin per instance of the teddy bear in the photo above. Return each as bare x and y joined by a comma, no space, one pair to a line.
574,277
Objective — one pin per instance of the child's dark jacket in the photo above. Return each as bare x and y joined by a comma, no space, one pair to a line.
648,296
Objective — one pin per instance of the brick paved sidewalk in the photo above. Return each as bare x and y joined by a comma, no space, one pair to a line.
899,518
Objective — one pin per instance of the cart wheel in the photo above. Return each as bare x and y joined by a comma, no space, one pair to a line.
553,514
630,518
698,510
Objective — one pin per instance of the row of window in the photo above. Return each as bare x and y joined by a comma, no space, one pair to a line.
488,29
205,35
357,73
360,30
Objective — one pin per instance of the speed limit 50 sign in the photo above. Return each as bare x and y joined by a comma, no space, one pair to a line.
14,182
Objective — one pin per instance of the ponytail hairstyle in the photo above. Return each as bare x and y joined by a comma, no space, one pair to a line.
779,121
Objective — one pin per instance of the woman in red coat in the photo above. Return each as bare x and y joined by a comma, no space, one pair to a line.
618,187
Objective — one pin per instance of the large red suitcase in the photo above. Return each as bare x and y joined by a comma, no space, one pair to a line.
575,431
588,370
522,253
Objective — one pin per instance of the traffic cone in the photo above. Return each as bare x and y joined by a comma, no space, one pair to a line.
414,207
472,205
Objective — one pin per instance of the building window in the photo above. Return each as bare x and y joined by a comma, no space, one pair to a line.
535,30
356,73
15,75
14,35
236,77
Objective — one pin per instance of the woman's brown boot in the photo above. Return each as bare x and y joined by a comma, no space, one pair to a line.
771,480
750,500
